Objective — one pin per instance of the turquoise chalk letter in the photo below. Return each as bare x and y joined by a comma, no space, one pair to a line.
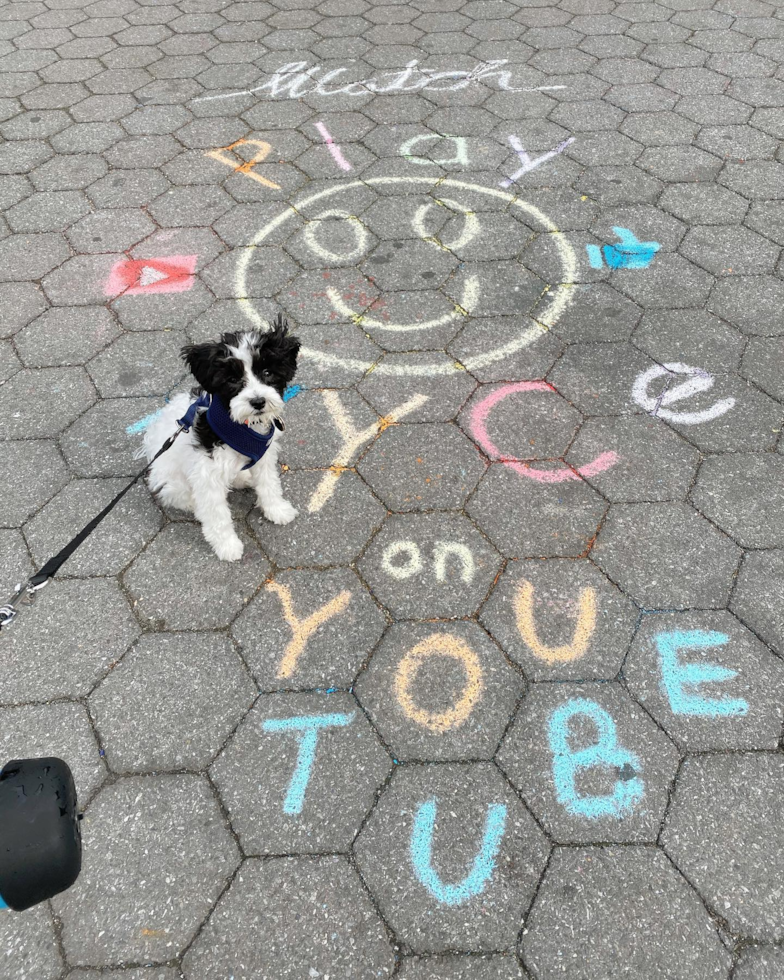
475,882
568,763
682,681
306,728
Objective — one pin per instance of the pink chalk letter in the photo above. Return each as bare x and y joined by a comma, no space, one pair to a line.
334,149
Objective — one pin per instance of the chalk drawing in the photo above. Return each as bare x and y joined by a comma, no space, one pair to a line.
480,413
334,149
557,298
470,230
627,253
306,728
464,308
568,763
245,167
353,439
583,628
441,552
414,562
412,565
460,150
303,629
136,428
329,217
296,79
168,274
527,163
698,380
439,645
482,867
682,681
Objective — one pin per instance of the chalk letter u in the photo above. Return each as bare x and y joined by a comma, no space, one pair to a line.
583,629
476,880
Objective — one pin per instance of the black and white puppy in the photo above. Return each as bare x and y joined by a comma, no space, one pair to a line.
245,374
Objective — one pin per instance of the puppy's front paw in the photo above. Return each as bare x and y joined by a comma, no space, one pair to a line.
281,513
230,550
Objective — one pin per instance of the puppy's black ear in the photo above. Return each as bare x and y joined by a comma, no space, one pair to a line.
202,360
283,346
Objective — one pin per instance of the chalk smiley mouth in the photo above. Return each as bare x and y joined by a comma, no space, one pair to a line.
469,299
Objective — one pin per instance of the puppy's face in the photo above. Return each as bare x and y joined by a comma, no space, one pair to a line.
248,371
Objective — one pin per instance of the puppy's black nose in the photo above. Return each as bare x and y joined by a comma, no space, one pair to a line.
258,403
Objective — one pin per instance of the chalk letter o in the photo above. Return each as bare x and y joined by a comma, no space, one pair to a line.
439,644
413,562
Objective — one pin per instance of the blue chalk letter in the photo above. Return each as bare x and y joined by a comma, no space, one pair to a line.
681,682
475,881
307,728
627,791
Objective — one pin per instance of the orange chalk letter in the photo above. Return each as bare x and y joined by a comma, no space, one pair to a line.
303,629
583,629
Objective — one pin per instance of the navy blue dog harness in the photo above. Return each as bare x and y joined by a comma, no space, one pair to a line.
239,437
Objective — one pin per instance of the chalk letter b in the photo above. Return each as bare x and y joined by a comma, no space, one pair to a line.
475,882
682,681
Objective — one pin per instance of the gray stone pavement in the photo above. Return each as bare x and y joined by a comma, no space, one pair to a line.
505,701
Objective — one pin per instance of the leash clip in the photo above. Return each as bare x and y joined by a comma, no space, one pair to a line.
24,595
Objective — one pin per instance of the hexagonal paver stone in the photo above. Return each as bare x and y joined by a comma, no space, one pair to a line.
560,620
337,514
39,404
72,635
430,566
666,556
601,907
648,460
216,591
140,973
151,838
420,467
301,774
121,536
27,257
457,967
537,512
707,680
752,303
20,302
724,830
744,495
314,915
33,471
308,630
758,598
172,702
439,692
599,378
70,335
760,963
590,763
452,857
30,945
15,564
386,390
146,363
61,729
761,364
104,441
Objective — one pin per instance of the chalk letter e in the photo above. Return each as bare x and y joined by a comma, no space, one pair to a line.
681,681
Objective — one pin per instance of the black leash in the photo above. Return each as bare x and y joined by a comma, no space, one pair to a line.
25,593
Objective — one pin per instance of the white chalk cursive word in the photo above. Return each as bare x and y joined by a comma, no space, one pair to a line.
295,80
